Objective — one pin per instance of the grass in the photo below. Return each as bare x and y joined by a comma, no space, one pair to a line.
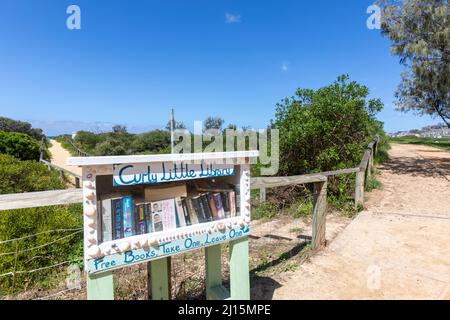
443,143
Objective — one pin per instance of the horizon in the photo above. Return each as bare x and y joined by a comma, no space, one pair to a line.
129,64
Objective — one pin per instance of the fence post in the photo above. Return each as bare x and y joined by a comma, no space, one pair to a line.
100,287
159,272
359,188
239,270
370,164
262,194
213,269
319,215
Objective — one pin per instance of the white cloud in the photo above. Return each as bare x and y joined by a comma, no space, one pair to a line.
232,18
285,66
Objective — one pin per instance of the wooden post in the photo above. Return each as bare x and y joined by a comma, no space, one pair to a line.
262,195
370,165
319,215
213,269
359,188
239,270
159,279
100,287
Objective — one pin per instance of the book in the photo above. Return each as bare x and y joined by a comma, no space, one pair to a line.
186,212
127,212
153,193
180,212
212,205
106,214
116,205
224,196
219,206
206,207
164,215
197,209
192,215
148,216
140,219
232,198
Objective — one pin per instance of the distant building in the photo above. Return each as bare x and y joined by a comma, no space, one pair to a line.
435,131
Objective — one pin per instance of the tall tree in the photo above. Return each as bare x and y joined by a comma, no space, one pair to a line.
214,123
420,34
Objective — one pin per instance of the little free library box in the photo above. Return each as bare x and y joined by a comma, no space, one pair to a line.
146,208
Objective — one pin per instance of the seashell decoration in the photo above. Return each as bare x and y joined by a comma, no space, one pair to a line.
124,246
90,211
92,240
143,243
90,195
89,185
153,243
90,222
221,227
94,251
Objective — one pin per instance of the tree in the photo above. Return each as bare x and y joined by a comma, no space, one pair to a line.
420,35
177,125
327,128
119,129
10,125
19,145
214,123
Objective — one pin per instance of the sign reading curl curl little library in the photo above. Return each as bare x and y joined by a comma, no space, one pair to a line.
132,174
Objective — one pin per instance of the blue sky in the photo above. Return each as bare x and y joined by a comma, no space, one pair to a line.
133,60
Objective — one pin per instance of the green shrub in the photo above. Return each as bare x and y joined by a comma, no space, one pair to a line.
26,176
19,145
10,125
24,222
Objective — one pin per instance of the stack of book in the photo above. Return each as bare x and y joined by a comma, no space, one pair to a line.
162,209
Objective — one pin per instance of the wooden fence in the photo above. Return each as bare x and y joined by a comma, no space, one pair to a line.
319,180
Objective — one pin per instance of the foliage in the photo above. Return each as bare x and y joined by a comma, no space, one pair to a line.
176,125
372,184
24,222
10,125
266,210
26,176
443,143
214,123
119,142
420,34
326,129
19,145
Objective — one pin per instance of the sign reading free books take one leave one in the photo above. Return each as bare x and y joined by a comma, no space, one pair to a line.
132,174
165,249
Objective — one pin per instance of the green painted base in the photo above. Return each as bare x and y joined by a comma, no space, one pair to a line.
100,287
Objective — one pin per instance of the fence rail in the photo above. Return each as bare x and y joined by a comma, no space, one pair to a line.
319,180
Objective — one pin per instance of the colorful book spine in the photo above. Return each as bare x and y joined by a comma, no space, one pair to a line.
224,196
148,217
127,207
232,198
117,221
186,212
192,215
157,216
212,205
106,227
169,214
141,224
180,212
219,206
198,210
206,207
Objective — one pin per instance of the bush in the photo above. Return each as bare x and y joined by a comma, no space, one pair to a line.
26,176
326,129
19,145
10,125
24,222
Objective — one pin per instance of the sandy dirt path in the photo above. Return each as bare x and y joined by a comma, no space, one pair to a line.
398,247
59,156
